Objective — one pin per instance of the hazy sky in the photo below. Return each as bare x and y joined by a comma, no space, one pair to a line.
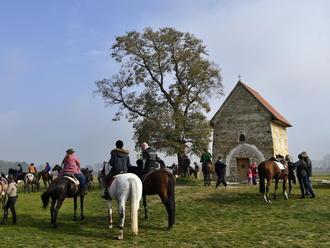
52,52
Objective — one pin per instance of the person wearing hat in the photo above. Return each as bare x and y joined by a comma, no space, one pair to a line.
119,162
12,197
72,165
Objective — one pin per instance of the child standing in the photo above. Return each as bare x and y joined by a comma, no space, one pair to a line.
249,176
12,197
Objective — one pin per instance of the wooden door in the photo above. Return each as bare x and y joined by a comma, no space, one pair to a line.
243,165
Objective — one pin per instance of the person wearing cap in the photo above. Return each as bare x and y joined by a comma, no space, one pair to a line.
72,165
12,197
119,162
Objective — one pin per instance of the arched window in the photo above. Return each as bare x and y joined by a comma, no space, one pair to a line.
242,137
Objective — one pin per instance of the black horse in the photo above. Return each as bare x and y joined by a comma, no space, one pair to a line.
61,188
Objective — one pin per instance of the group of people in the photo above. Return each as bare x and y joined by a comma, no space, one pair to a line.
304,172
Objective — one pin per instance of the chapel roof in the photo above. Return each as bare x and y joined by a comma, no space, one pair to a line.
275,114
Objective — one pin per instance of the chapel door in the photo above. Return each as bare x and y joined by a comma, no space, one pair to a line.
243,165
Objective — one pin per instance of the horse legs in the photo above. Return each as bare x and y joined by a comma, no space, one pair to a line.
267,190
75,208
284,188
290,186
146,215
276,187
52,211
169,204
56,209
109,215
82,207
121,211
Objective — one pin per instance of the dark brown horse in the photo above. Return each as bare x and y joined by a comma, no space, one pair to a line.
59,189
158,182
207,169
46,177
270,170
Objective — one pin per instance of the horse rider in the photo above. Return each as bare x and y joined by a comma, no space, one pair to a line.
302,173
12,197
220,169
149,158
72,165
206,158
32,170
119,162
48,168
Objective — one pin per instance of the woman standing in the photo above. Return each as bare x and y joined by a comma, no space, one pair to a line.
12,197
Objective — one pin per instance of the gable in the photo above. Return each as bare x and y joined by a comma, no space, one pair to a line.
241,88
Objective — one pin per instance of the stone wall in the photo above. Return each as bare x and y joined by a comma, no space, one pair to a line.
280,139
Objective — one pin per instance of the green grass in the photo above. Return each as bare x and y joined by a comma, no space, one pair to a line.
206,217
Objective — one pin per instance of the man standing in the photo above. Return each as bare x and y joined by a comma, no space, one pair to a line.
149,157
309,172
220,169
119,163
206,158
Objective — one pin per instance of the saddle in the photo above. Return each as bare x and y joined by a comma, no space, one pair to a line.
71,177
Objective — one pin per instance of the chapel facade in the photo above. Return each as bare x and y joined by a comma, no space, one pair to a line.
246,130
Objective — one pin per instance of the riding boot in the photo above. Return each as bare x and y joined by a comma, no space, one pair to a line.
106,195
14,217
5,217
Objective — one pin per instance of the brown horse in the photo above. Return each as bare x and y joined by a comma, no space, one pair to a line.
207,169
46,177
269,170
160,182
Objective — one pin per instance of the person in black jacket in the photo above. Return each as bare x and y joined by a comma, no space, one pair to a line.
309,171
302,173
220,169
119,163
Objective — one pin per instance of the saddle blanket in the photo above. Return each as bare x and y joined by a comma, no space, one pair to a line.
111,181
280,165
73,179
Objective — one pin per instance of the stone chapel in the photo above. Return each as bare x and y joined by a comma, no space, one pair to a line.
246,130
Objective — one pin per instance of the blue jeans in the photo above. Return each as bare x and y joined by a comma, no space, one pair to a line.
82,179
309,186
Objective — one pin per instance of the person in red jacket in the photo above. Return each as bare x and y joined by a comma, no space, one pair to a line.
254,169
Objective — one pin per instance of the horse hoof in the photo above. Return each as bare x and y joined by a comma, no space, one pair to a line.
134,233
110,226
169,228
269,202
121,235
74,219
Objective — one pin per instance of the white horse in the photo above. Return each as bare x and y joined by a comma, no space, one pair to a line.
125,187
30,179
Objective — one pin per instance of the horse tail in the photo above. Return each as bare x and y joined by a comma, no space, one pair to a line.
171,199
46,195
135,197
261,171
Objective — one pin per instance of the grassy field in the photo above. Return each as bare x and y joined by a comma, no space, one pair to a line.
206,217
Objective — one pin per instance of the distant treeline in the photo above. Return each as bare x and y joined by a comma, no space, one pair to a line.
6,165
323,164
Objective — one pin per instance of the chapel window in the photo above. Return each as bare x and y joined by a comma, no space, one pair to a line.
242,137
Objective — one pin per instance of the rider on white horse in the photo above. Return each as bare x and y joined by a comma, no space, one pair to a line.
119,163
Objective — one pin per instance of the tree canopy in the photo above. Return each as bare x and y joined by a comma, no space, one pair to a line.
163,87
